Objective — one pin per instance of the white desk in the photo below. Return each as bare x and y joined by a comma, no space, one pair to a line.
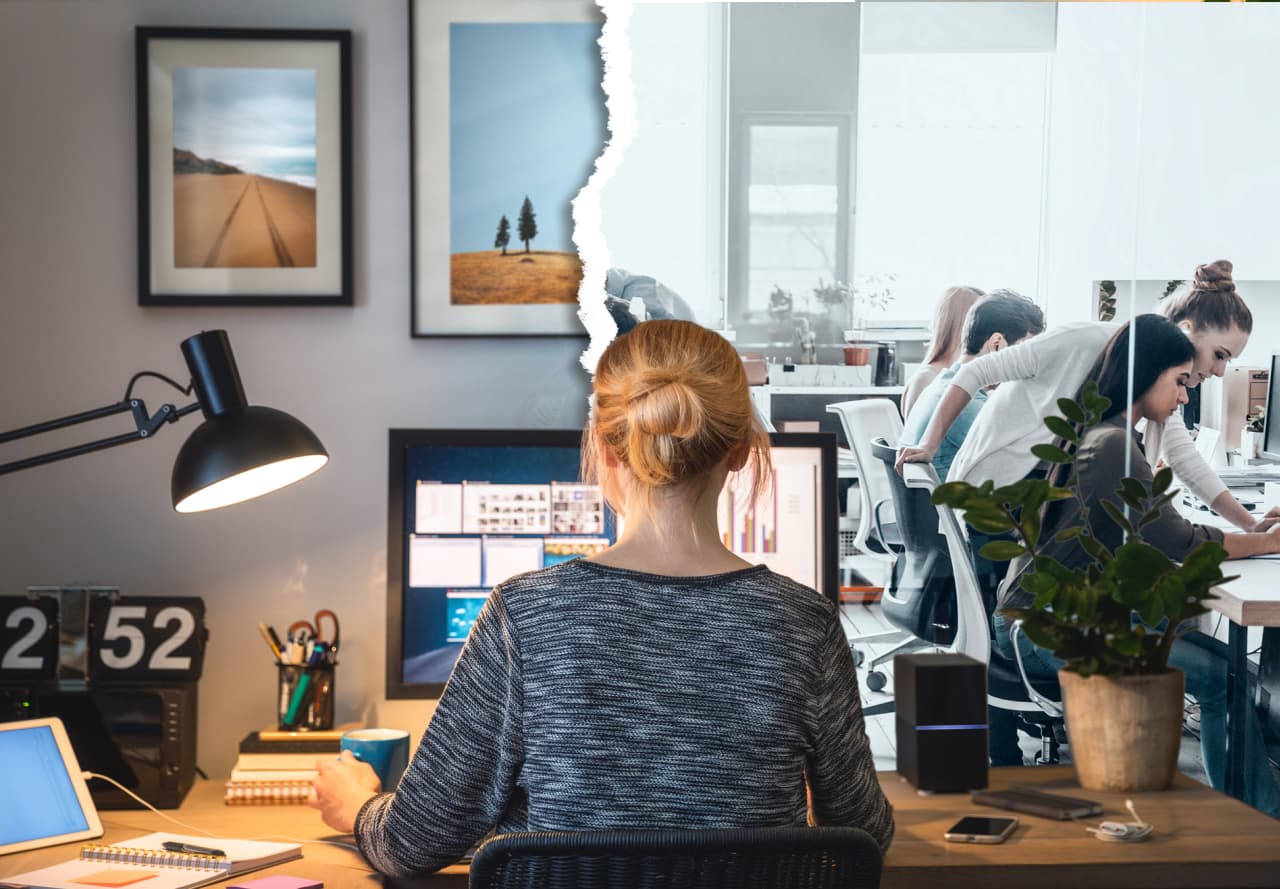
1251,600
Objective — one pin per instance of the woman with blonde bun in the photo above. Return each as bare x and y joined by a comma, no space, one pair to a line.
947,345
663,683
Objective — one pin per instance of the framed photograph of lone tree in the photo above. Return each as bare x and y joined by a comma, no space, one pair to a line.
244,167
518,83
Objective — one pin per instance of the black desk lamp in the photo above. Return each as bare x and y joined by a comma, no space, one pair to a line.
239,452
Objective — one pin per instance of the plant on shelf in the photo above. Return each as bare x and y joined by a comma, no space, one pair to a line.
1116,667
846,305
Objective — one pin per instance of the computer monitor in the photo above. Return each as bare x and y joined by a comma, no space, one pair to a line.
1270,427
468,509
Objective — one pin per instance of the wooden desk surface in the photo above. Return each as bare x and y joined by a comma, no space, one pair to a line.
1202,839
1253,598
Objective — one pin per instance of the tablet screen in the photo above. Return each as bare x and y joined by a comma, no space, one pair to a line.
52,804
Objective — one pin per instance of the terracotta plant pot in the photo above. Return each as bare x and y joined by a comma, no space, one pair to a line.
1124,731
857,356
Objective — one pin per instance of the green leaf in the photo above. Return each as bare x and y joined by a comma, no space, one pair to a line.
1133,490
1068,534
1095,548
1072,410
953,494
1002,550
1117,516
1051,454
1062,428
1161,482
988,521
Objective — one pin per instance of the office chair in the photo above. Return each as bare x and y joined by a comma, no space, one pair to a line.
922,600
752,858
1036,703
877,531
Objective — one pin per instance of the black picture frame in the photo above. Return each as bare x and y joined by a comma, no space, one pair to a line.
244,229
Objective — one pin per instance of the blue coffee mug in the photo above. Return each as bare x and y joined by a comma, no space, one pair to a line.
386,749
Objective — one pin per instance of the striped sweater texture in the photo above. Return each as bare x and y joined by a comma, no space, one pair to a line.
594,698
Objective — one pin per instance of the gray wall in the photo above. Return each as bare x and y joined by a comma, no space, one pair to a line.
71,335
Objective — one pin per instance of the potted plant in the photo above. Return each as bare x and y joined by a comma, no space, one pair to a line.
1114,622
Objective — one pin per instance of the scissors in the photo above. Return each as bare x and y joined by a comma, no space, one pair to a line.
315,628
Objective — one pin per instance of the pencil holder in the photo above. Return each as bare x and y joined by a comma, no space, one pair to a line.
304,696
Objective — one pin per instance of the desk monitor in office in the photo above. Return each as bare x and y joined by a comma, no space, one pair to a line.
468,509
1270,426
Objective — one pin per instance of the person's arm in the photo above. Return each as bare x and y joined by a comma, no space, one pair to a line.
1020,362
1180,453
949,407
464,772
1100,467
840,770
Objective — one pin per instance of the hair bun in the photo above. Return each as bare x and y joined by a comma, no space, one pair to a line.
1214,276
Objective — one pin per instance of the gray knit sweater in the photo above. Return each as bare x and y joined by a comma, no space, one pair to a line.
595,698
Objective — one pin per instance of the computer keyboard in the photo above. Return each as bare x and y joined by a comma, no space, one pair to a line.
1249,475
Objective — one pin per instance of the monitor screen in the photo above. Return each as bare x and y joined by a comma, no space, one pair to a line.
469,509
1271,428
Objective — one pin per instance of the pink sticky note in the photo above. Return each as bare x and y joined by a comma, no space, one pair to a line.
279,882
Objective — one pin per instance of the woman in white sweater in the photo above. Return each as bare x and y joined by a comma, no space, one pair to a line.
1035,374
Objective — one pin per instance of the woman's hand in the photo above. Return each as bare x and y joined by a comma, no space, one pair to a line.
1268,521
918,454
342,786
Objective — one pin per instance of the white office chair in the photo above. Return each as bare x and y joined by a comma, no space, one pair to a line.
1008,686
863,421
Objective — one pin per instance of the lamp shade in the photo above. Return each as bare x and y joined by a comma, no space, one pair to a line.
242,453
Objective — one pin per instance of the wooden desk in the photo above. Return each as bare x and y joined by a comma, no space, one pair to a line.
1202,839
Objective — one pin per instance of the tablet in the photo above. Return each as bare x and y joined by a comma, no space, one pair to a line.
46,800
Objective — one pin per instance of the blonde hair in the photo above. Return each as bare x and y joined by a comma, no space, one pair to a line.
670,402
948,322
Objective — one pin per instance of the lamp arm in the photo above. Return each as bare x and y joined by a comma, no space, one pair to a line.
145,424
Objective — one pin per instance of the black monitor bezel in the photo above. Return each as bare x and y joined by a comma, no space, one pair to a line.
401,439
1269,426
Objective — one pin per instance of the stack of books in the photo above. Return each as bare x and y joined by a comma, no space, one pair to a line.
277,767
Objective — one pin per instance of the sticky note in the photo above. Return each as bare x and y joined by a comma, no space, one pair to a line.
114,878
279,882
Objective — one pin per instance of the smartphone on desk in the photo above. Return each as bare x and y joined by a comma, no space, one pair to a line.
1037,802
981,829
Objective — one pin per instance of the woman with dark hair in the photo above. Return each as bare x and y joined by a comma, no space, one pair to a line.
1162,360
1036,374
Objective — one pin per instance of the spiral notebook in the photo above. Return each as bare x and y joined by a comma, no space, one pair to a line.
143,863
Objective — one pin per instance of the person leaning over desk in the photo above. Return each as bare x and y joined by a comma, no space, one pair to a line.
1162,369
1035,374
662,683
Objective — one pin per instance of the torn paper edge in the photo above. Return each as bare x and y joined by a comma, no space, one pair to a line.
615,53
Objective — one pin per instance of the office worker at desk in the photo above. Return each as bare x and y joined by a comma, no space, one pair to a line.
1163,366
665,682
947,345
1035,374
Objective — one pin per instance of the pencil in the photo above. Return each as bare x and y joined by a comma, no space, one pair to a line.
266,635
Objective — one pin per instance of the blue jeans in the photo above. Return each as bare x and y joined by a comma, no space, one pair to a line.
1203,660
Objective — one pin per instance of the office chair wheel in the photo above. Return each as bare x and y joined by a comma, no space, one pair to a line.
876,681
858,655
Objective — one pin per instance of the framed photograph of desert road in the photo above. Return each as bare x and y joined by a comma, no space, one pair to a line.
244,167
508,117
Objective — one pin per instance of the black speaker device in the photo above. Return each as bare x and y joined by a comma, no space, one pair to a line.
940,701
140,734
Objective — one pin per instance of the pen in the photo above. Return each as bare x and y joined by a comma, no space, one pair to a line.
171,846
266,634
275,640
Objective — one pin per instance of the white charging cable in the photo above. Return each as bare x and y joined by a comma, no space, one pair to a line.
1134,831
110,780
